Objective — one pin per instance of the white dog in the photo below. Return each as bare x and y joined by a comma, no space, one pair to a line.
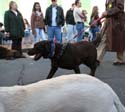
71,93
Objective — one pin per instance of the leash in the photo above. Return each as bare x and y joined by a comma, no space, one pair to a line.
94,22
66,44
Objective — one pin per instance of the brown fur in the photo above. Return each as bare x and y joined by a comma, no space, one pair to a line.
73,55
6,53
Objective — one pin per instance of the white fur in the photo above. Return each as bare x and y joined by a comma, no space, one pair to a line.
70,93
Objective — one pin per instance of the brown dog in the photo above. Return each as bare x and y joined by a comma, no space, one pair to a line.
6,53
71,57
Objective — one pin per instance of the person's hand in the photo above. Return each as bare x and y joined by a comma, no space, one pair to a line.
104,14
7,34
46,27
33,31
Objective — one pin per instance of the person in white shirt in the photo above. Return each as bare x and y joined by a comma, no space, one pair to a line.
54,20
79,19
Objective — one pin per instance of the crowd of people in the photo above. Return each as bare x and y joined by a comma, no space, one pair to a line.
49,27
52,23
17,27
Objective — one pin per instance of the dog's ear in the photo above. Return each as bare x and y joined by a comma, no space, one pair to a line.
39,46
43,46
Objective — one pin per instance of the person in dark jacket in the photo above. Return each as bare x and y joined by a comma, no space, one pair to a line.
71,25
54,19
113,31
14,26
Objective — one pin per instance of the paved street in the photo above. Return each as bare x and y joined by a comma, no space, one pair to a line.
25,71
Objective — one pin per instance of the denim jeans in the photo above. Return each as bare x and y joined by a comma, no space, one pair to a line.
54,31
27,36
79,28
71,31
93,31
39,35
27,33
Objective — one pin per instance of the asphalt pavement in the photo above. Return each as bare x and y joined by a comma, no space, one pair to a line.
26,71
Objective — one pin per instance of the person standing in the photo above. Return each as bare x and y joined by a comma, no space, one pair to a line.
96,27
71,25
54,19
1,33
14,26
113,31
37,23
79,19
27,32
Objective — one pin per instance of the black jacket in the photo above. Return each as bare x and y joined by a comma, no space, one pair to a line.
59,18
70,17
14,24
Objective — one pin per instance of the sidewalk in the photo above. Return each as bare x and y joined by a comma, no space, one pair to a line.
25,45
26,71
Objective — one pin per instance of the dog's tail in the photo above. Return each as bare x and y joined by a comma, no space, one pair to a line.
97,41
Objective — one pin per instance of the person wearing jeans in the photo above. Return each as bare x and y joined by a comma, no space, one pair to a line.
80,27
97,26
54,20
37,23
79,19
55,31
40,35
71,25
94,30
